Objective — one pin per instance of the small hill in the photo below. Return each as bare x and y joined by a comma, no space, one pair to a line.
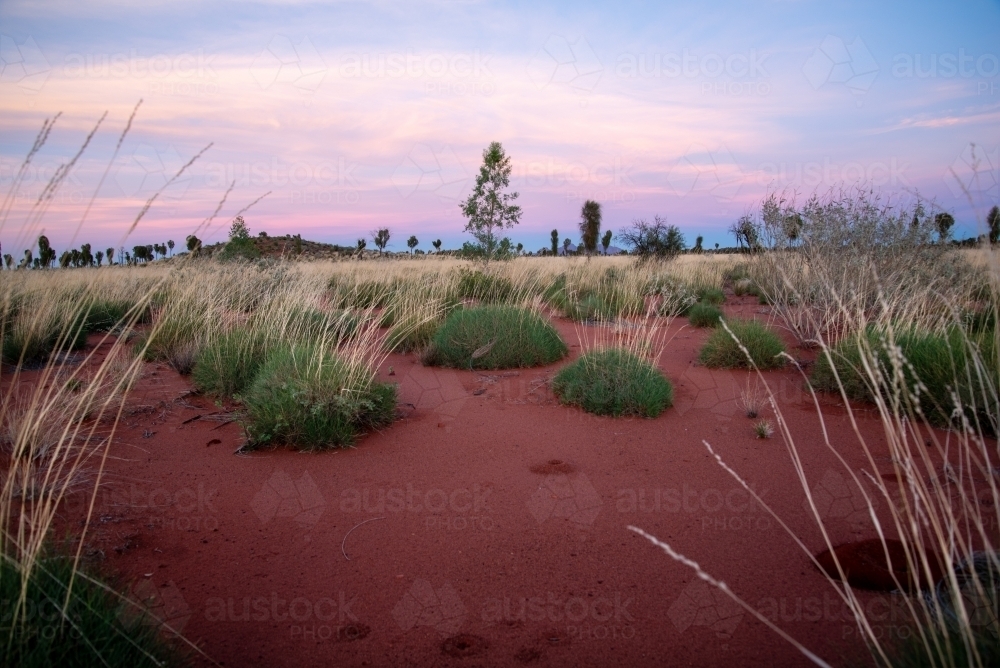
292,246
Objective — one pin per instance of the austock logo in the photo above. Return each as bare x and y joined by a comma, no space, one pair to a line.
439,391
568,496
701,604
440,608
23,64
836,62
429,171
154,605
283,61
704,170
571,64
149,169
281,496
838,498
975,173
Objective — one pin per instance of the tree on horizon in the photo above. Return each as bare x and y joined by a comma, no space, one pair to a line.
381,239
489,208
590,225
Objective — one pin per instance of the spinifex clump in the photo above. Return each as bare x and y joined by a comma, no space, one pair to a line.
309,398
614,382
495,337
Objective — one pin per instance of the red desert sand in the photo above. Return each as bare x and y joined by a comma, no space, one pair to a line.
488,525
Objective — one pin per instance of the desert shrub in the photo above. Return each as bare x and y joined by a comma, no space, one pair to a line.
412,332
704,315
554,293
938,364
306,397
712,296
175,331
227,365
105,314
487,288
348,293
495,337
736,272
307,323
742,287
946,646
614,382
239,249
584,299
241,245
675,297
369,294
26,343
763,345
980,320
557,286
97,628
31,338
602,305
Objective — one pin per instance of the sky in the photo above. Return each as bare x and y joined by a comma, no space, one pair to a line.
350,116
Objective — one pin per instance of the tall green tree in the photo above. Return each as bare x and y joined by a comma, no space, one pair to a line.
555,242
437,245
490,208
590,225
412,243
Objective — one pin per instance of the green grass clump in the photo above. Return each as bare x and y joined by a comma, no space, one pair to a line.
495,337
98,628
713,296
604,301
30,340
946,646
306,397
614,382
312,324
940,363
704,315
361,294
412,332
106,314
675,297
764,346
228,364
175,330
743,286
484,287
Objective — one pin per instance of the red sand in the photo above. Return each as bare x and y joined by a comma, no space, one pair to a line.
487,526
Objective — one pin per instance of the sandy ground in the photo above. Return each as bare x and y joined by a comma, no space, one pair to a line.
487,526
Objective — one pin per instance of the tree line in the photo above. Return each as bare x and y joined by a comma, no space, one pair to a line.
85,256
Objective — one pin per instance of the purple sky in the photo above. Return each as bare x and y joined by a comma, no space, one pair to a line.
361,115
